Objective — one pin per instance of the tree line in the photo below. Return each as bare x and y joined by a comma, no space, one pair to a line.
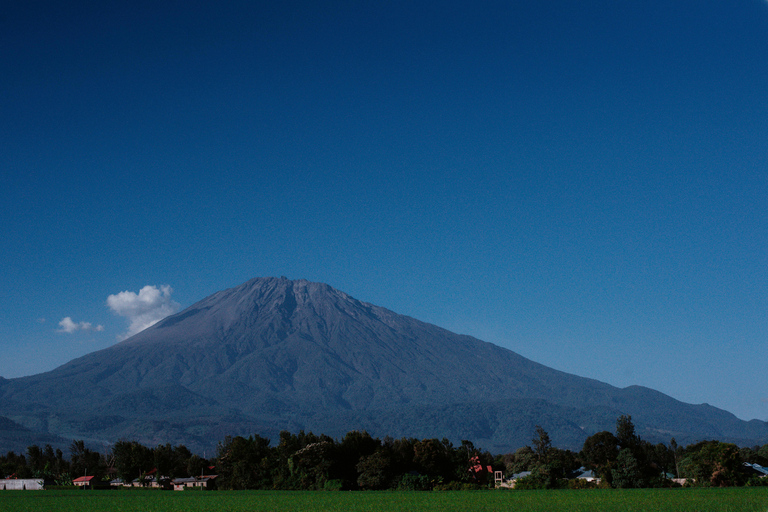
127,460
359,461
621,459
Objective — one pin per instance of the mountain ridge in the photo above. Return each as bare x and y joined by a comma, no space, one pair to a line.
273,354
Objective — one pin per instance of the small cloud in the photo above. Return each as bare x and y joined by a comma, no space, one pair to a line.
41,320
67,325
143,309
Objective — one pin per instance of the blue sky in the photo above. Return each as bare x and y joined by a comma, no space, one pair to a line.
581,182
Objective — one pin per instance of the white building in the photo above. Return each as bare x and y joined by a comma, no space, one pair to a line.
21,484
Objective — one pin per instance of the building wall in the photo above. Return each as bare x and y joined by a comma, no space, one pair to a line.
21,484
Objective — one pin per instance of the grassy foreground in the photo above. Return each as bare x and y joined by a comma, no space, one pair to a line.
646,500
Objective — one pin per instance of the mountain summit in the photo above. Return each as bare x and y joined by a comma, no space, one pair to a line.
275,354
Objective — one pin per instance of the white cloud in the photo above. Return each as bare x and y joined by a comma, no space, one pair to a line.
144,309
69,326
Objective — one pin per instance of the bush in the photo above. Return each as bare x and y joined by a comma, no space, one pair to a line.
580,483
539,481
410,482
458,486
757,481
530,482
333,485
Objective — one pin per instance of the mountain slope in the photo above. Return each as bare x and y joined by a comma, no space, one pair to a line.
276,354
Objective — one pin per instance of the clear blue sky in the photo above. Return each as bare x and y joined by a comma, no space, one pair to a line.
585,183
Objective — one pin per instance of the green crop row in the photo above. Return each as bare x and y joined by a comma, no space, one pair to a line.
597,500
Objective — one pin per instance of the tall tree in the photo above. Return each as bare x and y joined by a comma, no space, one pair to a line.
713,463
431,457
86,461
131,459
376,470
600,452
522,460
541,445
244,463
354,447
625,432
627,472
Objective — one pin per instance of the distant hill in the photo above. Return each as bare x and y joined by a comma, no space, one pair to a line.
16,438
274,354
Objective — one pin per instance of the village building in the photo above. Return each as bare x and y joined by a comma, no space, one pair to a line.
22,484
755,469
586,474
83,481
207,482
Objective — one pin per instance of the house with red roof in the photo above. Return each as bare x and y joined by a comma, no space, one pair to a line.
83,481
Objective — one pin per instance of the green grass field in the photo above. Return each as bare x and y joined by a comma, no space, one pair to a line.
646,500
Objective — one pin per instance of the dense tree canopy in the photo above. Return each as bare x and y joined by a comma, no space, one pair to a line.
360,461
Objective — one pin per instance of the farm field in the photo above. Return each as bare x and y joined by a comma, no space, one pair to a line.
646,500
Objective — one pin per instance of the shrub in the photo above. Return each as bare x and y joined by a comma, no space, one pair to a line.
458,486
411,482
333,485
580,483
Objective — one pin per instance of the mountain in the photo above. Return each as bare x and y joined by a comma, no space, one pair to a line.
16,438
274,354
